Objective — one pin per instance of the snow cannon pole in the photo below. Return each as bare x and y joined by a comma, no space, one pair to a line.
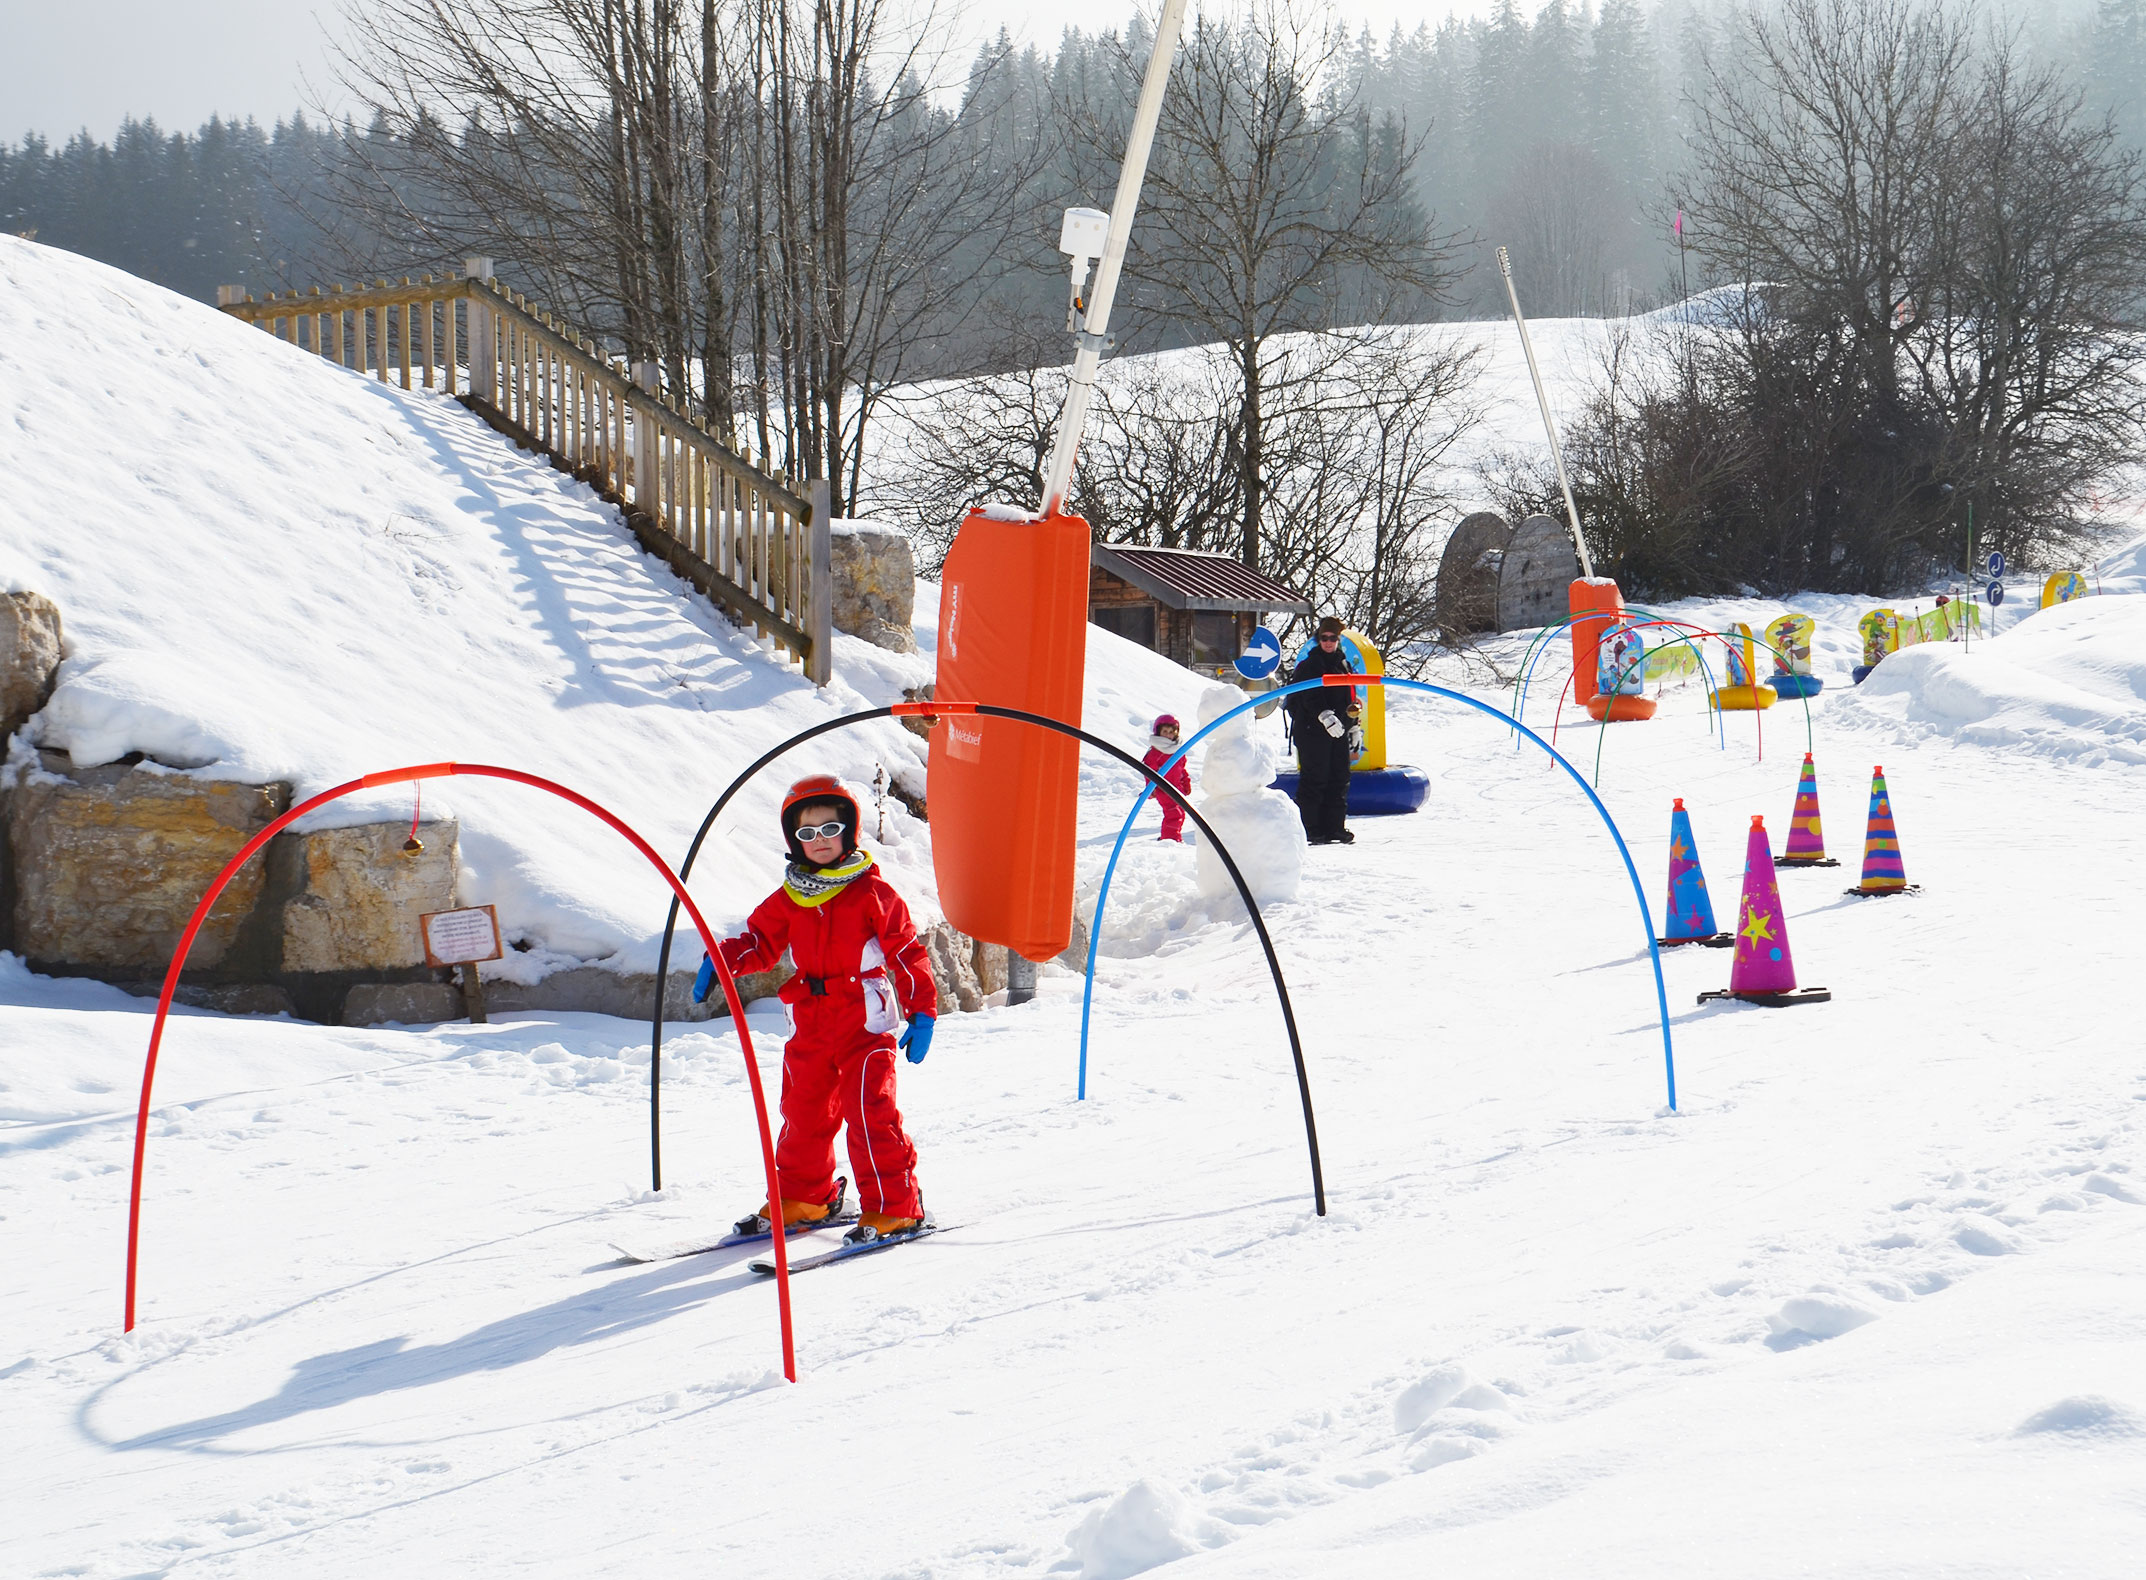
405,776
1549,422
1089,342
1155,778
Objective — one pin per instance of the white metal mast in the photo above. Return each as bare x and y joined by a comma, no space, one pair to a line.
1089,344
1557,449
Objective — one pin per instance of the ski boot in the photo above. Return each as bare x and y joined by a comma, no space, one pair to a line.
795,1213
884,1226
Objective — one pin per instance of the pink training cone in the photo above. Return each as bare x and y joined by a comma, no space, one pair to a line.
1883,872
1806,838
1763,962
1764,972
1691,911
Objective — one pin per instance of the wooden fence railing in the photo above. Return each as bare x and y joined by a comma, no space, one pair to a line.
744,538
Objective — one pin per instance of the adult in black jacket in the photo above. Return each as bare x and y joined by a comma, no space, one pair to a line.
1322,723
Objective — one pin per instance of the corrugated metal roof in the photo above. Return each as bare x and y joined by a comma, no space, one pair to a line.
1192,579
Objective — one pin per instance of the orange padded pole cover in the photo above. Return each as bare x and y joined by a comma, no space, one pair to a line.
1013,631
1590,594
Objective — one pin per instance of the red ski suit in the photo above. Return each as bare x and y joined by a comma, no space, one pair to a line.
858,958
1173,815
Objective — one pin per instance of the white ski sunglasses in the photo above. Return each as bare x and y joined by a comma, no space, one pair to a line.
808,831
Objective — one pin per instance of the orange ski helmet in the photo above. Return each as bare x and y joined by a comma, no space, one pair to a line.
819,789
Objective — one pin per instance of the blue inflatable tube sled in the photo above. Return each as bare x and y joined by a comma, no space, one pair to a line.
1374,792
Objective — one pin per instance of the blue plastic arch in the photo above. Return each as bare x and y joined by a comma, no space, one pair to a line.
1095,922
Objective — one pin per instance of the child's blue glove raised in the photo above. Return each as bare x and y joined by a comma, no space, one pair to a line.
916,1041
704,984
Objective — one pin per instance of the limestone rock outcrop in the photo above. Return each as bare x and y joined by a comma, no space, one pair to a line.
953,969
106,864
351,897
875,585
29,654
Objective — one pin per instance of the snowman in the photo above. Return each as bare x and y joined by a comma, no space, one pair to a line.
1260,825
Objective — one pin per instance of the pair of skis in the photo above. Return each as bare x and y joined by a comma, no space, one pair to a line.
766,1265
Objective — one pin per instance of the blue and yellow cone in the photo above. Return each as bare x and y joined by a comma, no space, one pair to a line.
1883,870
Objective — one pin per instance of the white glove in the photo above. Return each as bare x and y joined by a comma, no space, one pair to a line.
1356,740
1330,723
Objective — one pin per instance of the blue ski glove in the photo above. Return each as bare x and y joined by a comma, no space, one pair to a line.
704,984
916,1041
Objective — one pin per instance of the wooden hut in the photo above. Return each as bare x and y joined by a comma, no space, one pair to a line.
1196,608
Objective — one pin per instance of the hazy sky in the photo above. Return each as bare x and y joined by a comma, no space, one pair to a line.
66,65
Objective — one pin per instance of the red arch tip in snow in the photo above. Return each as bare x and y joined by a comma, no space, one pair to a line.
440,771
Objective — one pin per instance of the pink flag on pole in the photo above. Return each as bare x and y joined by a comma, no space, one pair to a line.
1679,226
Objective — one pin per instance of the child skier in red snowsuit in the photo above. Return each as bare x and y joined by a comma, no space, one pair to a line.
860,965
1161,743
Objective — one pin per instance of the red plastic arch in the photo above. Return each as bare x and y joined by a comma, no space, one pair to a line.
441,771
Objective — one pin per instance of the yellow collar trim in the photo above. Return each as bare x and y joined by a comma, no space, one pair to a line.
813,886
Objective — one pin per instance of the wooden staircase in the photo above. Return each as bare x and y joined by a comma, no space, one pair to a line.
746,539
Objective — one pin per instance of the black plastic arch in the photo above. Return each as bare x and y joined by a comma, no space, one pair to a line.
932,710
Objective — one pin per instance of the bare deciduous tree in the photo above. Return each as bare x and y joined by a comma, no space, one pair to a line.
1273,204
1357,460
760,195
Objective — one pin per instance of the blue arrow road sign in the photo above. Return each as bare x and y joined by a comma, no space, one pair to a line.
1262,655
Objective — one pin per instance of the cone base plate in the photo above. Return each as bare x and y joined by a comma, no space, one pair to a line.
1805,861
1879,894
1775,1000
1710,940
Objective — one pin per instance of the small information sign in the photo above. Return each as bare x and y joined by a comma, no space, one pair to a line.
1996,594
461,937
1996,563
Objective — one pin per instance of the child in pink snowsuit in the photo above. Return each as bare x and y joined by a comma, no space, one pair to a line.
1161,744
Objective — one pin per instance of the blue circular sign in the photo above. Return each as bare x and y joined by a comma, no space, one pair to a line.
1996,563
1262,655
1995,594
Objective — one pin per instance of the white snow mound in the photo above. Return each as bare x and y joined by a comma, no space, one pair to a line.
1148,1525
2069,683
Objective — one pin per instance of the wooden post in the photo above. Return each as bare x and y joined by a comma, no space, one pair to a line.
820,591
483,341
473,995
230,295
647,446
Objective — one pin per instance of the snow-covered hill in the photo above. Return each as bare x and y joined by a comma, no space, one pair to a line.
272,568
1868,1303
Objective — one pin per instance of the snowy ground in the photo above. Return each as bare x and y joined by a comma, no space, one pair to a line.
1868,1302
